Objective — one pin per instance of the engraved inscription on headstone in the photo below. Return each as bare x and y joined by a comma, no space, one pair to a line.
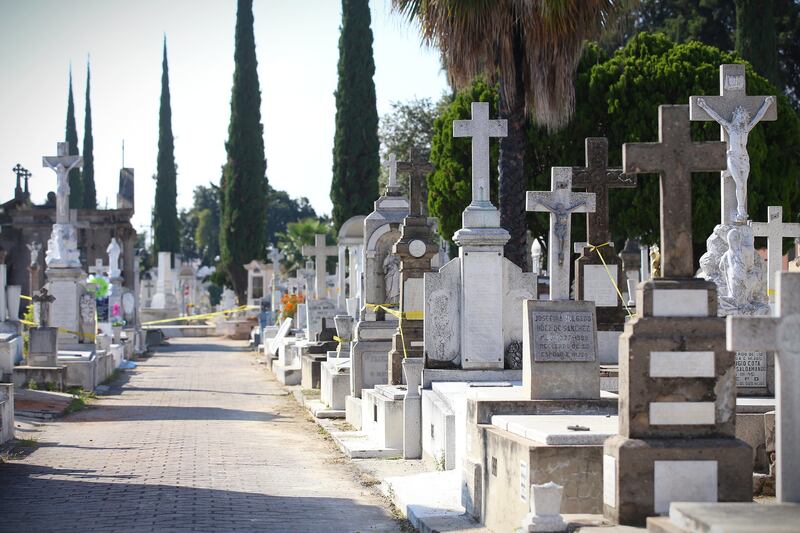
563,336
751,369
598,286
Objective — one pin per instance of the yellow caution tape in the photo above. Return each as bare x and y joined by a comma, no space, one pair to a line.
24,297
410,315
341,340
770,292
594,248
61,330
201,317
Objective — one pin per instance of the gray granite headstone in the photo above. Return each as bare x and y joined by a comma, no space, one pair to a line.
560,350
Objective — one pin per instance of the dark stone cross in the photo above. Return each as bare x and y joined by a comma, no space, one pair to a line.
44,300
418,169
597,178
20,171
674,157
25,175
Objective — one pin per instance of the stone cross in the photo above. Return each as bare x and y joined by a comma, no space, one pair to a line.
25,175
560,202
674,157
391,164
275,256
62,164
481,129
775,230
418,169
320,252
779,333
733,95
44,300
113,252
597,178
20,172
99,268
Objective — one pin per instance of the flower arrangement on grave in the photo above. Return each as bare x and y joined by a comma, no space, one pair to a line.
289,303
116,316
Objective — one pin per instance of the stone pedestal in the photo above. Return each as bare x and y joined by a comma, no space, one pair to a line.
677,408
65,284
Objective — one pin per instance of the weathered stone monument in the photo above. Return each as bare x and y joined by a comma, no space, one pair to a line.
43,349
473,304
731,261
350,242
64,275
677,400
775,230
415,250
320,252
598,273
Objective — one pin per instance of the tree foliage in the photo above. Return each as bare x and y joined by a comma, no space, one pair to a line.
618,97
409,125
71,137
714,22
166,236
244,181
302,233
87,172
356,166
283,210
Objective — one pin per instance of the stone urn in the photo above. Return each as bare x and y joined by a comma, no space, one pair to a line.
116,334
412,374
545,508
344,330
13,293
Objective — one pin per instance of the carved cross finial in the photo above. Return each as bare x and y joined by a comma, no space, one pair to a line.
597,178
480,129
418,168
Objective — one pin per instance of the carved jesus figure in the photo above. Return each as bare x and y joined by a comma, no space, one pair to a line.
738,129
562,213
391,269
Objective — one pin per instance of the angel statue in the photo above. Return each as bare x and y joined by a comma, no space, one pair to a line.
737,130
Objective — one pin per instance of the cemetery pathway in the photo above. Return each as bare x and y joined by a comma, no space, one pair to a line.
197,438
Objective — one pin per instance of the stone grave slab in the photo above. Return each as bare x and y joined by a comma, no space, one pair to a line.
560,351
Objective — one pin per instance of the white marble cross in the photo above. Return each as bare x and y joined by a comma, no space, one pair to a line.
275,256
62,164
779,333
391,164
481,129
560,202
99,268
775,230
733,95
320,252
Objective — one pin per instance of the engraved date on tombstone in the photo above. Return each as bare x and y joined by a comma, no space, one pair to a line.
751,369
563,336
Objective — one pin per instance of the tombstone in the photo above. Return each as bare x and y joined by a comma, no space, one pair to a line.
275,257
380,282
677,415
43,348
164,298
560,202
560,353
731,260
416,249
258,278
320,252
350,242
775,230
473,304
779,333
64,274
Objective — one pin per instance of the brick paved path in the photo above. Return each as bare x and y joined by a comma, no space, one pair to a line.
198,438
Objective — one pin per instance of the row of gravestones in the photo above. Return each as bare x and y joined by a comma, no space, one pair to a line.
677,378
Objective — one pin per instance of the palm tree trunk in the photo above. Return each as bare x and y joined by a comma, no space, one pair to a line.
512,169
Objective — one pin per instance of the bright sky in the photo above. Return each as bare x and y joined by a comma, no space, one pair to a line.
296,46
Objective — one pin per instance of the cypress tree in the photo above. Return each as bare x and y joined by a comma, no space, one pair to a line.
75,183
87,173
356,163
244,182
165,210
756,37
